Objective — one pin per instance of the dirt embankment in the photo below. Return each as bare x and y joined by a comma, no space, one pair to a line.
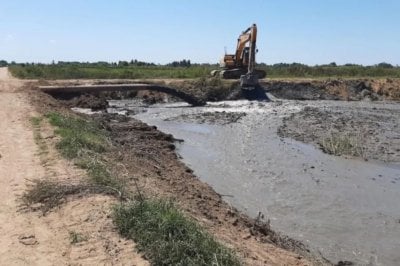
370,133
335,89
216,90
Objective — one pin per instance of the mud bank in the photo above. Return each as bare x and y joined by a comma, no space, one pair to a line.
335,89
213,89
369,133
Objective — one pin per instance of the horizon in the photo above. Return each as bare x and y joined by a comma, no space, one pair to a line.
194,63
315,33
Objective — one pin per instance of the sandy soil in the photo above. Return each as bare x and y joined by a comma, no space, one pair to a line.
27,238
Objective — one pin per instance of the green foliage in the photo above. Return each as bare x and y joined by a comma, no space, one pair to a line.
185,69
167,237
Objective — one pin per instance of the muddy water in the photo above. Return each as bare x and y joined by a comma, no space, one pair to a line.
346,209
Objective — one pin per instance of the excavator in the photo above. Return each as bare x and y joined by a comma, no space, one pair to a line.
241,65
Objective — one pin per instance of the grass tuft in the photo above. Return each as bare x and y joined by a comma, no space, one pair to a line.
75,237
339,144
45,195
167,237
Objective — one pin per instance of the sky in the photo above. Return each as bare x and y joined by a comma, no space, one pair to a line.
161,31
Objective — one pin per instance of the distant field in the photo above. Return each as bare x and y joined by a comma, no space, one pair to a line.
110,71
125,72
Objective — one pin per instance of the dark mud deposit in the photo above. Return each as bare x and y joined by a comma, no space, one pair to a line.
375,132
336,89
221,118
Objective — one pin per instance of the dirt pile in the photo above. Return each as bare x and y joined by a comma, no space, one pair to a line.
361,132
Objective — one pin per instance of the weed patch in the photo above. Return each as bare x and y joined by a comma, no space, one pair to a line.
167,237
45,195
84,141
75,237
78,135
339,144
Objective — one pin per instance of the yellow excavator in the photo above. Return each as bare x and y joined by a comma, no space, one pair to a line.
241,65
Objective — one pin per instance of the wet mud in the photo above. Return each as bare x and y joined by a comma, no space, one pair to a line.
373,133
221,118
335,89
342,207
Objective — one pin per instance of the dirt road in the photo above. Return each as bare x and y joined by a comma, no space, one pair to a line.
28,238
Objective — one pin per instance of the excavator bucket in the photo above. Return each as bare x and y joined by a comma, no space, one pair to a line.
249,81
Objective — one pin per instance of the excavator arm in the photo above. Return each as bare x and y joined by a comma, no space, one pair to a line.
245,56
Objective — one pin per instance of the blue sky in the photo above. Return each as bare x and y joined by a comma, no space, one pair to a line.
161,31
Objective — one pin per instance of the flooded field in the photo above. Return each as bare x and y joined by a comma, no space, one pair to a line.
342,207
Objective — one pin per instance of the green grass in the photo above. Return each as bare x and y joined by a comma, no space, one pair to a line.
83,142
77,135
167,237
98,72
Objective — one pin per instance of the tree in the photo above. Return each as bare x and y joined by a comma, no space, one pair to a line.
384,65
